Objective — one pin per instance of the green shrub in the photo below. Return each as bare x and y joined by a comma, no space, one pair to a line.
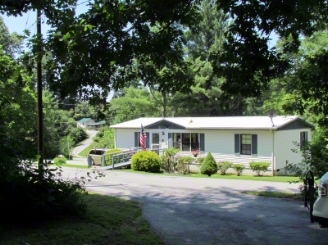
183,164
147,161
29,195
209,165
60,160
167,159
109,154
78,135
239,168
259,167
223,166
199,160
105,138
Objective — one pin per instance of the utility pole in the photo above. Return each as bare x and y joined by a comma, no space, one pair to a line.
39,94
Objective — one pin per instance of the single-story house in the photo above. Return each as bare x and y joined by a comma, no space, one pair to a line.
96,125
238,139
90,123
84,122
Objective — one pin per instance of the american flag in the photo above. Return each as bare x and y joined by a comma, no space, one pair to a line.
143,138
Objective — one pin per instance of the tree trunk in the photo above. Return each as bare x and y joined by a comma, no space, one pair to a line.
164,104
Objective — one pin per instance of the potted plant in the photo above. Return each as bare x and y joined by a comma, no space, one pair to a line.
195,152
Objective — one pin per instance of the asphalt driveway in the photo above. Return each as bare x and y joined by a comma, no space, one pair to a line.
212,211
81,146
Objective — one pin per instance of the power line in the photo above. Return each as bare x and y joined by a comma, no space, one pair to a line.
27,19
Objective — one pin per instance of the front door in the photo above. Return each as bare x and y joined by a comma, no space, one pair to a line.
155,144
159,139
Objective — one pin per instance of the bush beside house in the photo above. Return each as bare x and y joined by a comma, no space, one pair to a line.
168,159
147,161
239,168
183,164
223,166
259,167
209,165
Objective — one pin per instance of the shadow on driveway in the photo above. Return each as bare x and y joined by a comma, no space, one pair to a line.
224,216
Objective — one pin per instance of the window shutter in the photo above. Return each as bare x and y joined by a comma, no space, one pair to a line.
170,139
306,137
202,142
147,140
254,144
237,144
136,139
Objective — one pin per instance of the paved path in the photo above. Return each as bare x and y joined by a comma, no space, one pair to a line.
85,143
212,211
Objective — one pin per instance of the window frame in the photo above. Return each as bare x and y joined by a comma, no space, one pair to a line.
303,139
248,150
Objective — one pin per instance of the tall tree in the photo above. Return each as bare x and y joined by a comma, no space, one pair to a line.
11,42
248,63
206,97
17,107
134,104
92,53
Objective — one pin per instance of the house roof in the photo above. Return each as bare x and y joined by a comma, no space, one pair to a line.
84,120
233,122
97,123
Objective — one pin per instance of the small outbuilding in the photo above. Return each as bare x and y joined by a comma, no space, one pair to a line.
90,123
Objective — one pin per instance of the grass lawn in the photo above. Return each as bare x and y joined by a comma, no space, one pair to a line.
73,165
227,176
251,177
86,151
108,220
276,194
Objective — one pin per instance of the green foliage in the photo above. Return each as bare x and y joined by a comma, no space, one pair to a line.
209,165
78,135
11,43
109,156
60,160
132,104
86,110
183,164
224,166
105,138
147,161
199,160
259,167
168,159
17,110
251,31
204,42
314,156
66,145
98,69
27,196
239,168
59,128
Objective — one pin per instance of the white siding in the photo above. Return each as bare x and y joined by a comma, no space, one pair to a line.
283,148
124,138
221,143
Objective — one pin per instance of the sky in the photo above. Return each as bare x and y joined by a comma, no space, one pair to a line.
28,21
